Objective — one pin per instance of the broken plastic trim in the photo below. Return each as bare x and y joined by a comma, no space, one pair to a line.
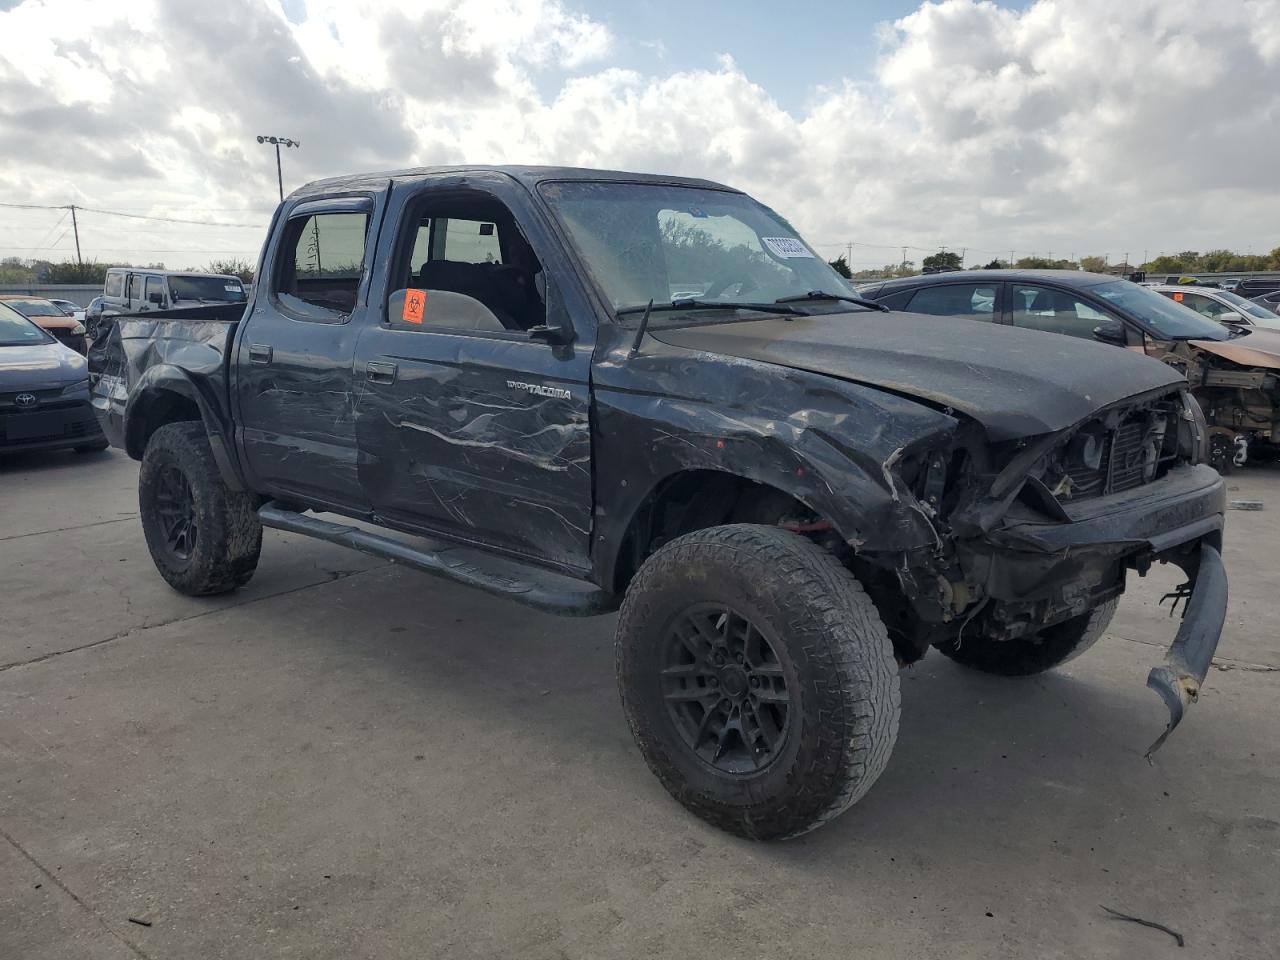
1179,678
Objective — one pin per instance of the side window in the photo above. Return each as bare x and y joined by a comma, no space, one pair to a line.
133,287
320,263
1054,311
115,285
1205,306
154,285
464,266
974,301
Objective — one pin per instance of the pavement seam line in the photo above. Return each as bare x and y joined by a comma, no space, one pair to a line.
195,616
53,878
82,526
1222,663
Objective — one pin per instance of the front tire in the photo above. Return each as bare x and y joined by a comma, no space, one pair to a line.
758,679
203,536
1026,656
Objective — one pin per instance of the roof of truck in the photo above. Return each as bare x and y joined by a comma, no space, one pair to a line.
528,175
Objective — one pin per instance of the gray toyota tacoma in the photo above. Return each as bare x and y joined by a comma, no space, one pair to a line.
585,390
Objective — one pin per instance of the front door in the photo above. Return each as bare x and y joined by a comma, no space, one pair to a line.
467,426
292,375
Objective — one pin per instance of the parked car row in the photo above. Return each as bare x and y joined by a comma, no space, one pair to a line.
44,388
57,320
1231,359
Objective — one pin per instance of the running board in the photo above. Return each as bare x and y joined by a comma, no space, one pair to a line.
469,566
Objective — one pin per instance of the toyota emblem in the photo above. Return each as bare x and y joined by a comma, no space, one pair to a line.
25,399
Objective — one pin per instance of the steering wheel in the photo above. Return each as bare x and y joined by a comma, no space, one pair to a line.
720,285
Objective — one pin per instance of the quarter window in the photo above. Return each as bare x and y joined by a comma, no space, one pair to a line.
114,285
322,264
1054,311
970,300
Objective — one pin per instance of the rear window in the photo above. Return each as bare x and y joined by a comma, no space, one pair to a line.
35,308
114,286
206,289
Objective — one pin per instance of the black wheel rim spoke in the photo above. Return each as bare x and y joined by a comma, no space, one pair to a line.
725,689
175,511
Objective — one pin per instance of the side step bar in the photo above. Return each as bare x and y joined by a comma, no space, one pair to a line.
527,584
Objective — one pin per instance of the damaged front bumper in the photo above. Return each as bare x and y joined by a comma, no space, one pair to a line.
1177,519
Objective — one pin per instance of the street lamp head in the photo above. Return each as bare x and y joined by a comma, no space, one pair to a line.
261,139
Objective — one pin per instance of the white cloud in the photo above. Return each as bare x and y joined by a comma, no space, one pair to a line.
1073,126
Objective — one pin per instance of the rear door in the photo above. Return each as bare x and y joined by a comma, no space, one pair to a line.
468,426
292,375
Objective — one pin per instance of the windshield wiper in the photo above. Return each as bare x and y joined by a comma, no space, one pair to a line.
823,295
690,303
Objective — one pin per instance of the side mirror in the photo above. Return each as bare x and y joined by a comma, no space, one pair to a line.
1110,331
1231,317
155,297
549,334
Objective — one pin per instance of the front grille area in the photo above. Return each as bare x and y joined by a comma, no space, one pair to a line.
47,423
1119,451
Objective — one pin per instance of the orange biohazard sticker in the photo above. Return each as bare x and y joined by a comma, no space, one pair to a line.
415,304
1178,297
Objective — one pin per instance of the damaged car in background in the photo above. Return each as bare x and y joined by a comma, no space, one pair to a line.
586,390
1233,369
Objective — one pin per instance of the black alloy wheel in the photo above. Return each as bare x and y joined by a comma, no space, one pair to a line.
725,689
175,508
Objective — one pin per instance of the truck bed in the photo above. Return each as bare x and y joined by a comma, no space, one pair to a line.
192,344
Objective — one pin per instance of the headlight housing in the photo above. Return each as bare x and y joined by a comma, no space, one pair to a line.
78,330
80,386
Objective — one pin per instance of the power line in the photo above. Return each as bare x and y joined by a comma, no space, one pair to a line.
131,216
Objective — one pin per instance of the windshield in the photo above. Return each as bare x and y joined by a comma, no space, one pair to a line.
1249,308
221,289
1168,319
35,308
17,331
659,242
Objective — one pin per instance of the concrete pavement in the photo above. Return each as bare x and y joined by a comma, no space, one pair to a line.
346,759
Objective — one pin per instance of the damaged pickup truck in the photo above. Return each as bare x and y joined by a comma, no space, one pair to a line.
585,390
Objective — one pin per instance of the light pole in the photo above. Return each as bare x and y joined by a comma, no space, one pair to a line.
279,142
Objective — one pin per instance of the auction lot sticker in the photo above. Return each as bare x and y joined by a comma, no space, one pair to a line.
415,303
788,247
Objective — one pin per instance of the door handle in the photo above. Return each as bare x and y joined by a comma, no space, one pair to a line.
259,353
378,372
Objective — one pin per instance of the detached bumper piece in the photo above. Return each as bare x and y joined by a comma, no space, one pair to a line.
1179,679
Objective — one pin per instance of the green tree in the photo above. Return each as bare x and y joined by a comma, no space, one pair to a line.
996,264
943,259
1094,264
841,266
13,270
68,271
234,267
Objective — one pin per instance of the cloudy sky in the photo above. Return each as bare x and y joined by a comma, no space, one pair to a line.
1055,127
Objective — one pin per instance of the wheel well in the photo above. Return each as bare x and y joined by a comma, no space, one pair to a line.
163,406
698,499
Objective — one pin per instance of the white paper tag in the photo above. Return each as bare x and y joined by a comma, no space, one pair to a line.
788,247
231,288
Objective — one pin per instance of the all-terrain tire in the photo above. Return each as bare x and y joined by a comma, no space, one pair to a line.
1025,656
829,642
222,553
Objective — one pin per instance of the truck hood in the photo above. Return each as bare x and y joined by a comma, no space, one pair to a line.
1016,383
40,366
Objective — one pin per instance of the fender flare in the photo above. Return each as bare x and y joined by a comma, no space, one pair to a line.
167,378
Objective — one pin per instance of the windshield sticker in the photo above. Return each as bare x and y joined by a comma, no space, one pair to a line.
787,247
231,288
415,304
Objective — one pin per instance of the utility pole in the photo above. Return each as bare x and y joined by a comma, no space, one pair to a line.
904,258
279,142
1011,259
848,254
76,228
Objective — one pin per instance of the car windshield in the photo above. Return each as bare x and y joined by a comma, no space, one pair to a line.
1250,309
1168,319
221,289
17,331
35,308
661,242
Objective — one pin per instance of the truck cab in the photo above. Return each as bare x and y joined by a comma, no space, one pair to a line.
134,290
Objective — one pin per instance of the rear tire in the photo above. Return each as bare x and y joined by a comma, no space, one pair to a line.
1026,656
203,536
758,679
